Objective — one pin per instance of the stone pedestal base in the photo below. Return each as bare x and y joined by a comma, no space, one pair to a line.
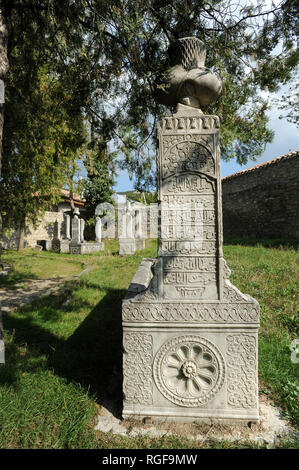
189,361
86,248
92,247
140,243
60,246
127,246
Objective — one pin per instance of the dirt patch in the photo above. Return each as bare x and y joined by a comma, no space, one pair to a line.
26,292
272,427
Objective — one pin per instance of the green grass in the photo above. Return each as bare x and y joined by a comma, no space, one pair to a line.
271,275
29,264
64,361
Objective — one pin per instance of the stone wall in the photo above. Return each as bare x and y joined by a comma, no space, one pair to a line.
263,201
44,231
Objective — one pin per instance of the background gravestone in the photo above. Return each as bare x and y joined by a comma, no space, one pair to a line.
77,245
58,244
126,238
190,336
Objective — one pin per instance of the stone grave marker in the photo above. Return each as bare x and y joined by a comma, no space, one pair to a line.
189,336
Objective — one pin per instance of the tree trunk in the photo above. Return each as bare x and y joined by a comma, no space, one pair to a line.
21,236
72,200
3,70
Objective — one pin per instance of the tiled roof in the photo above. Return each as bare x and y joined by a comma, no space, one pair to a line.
264,165
66,195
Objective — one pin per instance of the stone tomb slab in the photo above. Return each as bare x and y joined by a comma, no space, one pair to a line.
190,337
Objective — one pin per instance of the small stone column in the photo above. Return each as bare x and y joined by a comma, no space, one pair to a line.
67,226
76,229
98,229
82,227
57,229
75,244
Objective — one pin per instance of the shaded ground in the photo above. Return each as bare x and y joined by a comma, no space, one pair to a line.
64,358
28,291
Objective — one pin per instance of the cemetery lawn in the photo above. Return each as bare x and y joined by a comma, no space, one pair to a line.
29,265
64,352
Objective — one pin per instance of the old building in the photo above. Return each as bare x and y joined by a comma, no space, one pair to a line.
45,230
263,201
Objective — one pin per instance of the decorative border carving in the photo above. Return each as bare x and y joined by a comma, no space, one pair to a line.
209,364
137,368
193,313
241,371
195,124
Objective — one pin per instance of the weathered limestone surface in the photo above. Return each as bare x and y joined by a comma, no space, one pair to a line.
190,337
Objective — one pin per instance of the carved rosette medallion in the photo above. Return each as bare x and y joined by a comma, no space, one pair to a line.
189,370
74,250
56,246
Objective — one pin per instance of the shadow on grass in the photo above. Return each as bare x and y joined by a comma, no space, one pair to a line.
91,356
265,242
10,279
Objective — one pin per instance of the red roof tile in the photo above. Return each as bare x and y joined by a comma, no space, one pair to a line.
65,193
264,165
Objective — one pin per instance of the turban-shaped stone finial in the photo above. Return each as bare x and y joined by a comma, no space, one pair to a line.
189,82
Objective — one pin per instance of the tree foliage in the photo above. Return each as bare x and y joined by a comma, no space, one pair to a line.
107,55
98,186
44,121
251,45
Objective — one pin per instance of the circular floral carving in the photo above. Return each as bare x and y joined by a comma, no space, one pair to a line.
189,370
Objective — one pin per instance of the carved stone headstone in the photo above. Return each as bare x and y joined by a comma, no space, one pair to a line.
127,243
139,235
57,229
59,245
190,336
78,246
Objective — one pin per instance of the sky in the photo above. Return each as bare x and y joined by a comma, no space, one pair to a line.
286,140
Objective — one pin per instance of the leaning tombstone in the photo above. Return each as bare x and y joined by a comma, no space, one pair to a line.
190,337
